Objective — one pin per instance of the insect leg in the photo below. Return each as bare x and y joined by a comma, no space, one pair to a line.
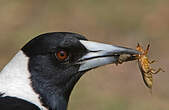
151,61
146,51
155,72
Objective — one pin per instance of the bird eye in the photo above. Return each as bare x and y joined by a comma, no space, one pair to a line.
62,55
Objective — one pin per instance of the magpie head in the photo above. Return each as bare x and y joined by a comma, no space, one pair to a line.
53,68
57,61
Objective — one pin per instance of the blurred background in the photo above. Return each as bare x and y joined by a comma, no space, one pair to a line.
119,22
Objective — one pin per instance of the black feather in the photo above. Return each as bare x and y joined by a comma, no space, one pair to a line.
51,78
13,103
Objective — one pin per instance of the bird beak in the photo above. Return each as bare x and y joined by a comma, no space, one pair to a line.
101,54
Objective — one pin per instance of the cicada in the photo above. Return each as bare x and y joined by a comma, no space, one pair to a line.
144,65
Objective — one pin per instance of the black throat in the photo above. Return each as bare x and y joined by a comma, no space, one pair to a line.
52,78
53,89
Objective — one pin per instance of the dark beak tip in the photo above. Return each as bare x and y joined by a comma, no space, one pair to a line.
135,52
130,52
128,55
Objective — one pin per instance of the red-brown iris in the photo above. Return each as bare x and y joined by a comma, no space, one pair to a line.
62,55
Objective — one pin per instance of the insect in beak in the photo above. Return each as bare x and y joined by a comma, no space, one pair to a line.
144,65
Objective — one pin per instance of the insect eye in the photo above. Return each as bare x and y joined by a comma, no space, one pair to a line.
62,55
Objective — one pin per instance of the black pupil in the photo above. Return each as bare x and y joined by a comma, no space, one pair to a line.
62,53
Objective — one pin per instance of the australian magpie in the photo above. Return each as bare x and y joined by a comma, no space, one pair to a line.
43,73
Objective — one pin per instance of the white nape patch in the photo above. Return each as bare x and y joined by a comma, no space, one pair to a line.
15,82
